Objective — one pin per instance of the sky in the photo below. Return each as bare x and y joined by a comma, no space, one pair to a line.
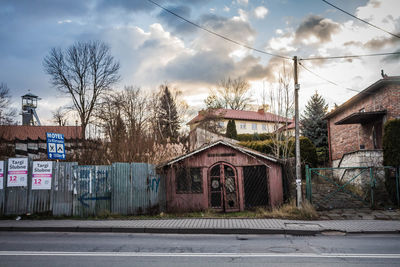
154,47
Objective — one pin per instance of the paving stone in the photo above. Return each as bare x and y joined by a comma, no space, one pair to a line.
381,217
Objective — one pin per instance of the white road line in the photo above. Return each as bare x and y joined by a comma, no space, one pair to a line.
206,255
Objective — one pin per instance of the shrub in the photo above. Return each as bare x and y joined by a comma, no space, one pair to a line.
254,137
261,146
391,155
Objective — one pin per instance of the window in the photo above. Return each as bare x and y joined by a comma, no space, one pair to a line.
264,127
188,180
221,124
254,126
243,126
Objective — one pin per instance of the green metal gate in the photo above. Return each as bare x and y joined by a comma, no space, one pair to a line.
352,187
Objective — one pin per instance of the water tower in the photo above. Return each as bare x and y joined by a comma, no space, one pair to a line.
29,105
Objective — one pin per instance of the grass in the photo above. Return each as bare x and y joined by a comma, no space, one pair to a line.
286,211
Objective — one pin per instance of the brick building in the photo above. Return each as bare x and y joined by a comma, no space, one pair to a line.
355,128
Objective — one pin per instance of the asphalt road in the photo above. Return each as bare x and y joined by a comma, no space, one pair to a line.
113,249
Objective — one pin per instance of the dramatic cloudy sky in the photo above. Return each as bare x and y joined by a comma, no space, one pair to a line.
153,46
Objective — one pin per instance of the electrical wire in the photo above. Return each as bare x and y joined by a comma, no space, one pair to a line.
395,35
217,34
262,51
351,56
329,81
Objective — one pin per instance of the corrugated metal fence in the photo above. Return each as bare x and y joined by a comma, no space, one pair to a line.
121,188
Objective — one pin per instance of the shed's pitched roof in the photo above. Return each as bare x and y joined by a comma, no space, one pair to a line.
26,132
240,115
244,150
368,91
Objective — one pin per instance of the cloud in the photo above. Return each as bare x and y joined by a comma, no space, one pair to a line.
379,43
242,2
315,29
242,15
176,23
260,12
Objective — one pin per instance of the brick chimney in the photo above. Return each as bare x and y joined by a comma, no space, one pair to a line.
261,111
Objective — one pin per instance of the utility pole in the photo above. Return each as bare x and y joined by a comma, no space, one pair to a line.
297,133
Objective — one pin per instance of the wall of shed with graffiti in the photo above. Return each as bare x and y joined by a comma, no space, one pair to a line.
66,189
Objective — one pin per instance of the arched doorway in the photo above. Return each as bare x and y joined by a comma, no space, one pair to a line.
223,187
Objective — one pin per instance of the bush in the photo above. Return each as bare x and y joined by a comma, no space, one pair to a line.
308,152
391,155
254,137
391,144
261,146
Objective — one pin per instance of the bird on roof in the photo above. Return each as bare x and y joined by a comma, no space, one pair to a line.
384,75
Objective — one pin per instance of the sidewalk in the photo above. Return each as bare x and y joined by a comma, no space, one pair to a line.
206,226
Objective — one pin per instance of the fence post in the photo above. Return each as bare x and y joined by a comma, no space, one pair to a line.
372,184
397,185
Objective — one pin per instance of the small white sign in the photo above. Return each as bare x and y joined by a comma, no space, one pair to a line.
17,174
41,175
1,174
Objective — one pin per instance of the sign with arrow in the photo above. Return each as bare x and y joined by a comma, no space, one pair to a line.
55,146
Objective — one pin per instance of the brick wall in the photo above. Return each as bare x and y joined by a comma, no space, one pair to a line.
348,138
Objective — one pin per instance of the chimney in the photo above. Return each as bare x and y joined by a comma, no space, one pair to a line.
261,111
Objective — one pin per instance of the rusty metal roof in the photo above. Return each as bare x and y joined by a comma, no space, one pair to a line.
26,132
241,115
244,150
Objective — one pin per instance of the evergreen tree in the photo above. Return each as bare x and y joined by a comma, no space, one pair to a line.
314,126
231,130
168,119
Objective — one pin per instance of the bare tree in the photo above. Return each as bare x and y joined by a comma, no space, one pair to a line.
282,104
230,94
60,117
85,71
7,114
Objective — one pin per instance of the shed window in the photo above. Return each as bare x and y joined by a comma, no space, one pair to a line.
243,126
254,126
189,180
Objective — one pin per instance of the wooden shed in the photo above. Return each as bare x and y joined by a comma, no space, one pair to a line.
224,177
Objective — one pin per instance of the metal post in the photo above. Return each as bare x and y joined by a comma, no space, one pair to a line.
297,133
397,185
371,176
307,184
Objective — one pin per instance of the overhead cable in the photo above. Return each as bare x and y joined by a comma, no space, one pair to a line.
379,28
329,81
217,34
351,56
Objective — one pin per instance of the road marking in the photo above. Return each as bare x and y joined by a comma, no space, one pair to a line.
206,255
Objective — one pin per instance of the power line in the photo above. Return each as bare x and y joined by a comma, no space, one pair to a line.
217,34
351,56
395,35
329,81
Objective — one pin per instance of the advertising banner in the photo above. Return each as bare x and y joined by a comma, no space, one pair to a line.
1,174
41,175
17,174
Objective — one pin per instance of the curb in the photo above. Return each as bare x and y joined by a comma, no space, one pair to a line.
241,231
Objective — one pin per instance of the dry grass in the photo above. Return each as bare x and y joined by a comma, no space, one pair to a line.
290,211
